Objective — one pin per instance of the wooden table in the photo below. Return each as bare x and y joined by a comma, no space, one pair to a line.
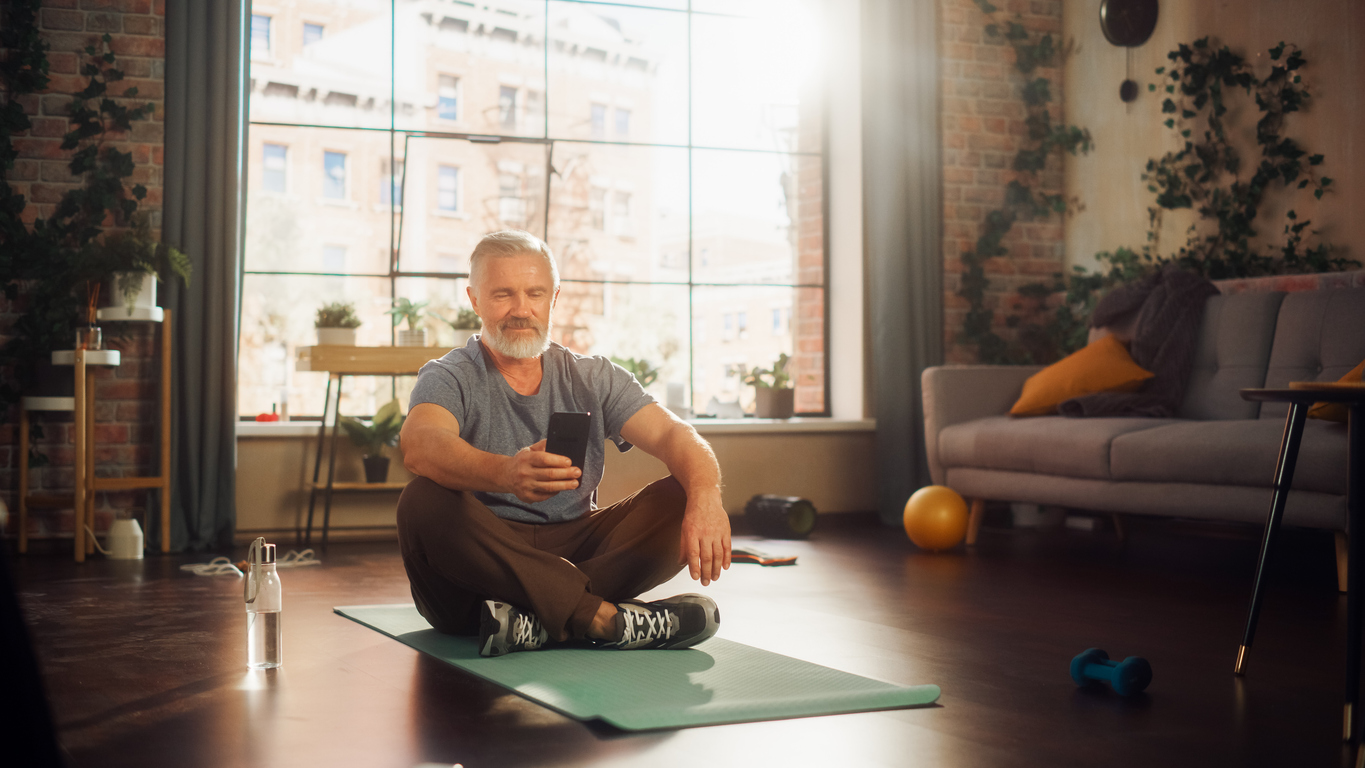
1300,397
337,362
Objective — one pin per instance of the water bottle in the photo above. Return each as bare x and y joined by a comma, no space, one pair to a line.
264,601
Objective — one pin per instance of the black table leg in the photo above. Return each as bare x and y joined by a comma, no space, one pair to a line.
1355,573
331,467
1284,476
317,461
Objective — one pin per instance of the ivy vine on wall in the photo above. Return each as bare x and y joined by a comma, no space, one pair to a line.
1024,199
1207,174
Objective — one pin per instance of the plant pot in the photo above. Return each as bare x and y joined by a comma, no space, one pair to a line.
376,469
772,403
462,337
133,290
417,338
336,337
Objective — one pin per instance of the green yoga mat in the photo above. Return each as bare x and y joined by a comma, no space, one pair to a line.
718,681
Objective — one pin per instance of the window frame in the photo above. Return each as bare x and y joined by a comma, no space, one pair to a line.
517,120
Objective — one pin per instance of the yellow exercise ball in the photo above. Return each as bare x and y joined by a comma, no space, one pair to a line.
936,518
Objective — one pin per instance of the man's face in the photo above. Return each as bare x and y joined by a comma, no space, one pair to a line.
514,297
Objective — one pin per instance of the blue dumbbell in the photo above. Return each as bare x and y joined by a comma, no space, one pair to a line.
1127,677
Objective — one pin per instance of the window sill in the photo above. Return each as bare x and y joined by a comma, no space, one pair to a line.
309,429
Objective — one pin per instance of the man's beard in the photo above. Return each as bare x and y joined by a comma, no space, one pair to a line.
523,347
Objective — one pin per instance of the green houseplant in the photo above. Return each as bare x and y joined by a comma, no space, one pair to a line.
643,371
373,438
412,312
774,394
336,323
54,267
466,324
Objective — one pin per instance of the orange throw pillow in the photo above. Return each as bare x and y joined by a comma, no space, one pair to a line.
1337,411
1104,366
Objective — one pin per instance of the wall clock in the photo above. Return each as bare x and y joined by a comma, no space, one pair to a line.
1128,23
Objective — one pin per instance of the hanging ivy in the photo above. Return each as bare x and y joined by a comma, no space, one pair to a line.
1024,199
1208,175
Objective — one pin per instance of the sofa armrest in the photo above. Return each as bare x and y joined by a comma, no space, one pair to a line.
954,394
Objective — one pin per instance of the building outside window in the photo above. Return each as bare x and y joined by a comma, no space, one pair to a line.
274,159
260,36
598,119
507,107
391,184
448,98
334,258
448,188
334,175
690,198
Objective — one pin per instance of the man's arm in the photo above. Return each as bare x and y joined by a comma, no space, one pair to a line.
432,448
706,526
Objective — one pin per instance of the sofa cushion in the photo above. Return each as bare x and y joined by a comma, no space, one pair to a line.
1317,338
1050,445
1104,366
1242,452
1233,349
1338,411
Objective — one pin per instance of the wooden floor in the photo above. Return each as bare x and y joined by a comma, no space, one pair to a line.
144,664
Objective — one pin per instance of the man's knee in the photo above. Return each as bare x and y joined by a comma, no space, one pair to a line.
669,494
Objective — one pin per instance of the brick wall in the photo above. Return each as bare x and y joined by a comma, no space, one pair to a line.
126,410
983,121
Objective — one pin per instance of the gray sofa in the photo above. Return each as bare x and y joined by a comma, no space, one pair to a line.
1214,461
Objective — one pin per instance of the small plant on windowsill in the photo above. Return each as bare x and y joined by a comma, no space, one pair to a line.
373,438
407,309
774,395
465,325
643,370
336,323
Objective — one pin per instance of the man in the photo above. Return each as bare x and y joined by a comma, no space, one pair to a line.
502,538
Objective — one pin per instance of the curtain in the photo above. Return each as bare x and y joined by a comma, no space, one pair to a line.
902,217
203,213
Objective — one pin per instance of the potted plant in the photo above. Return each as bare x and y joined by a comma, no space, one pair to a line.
407,309
336,323
373,438
134,262
465,324
643,371
774,397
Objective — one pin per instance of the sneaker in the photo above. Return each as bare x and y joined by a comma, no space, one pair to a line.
676,622
505,628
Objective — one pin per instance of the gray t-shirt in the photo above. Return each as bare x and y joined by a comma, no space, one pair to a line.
495,418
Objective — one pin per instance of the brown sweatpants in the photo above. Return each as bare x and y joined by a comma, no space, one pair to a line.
458,554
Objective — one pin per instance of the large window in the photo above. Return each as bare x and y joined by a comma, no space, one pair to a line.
672,158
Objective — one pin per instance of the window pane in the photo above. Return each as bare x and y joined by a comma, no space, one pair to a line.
458,191
334,175
727,340
755,81
497,54
631,60
619,213
643,322
390,184
758,217
274,164
339,78
260,35
277,318
285,230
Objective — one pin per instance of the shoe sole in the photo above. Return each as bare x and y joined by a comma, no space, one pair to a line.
492,629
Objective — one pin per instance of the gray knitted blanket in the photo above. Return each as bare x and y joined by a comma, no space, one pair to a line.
1170,305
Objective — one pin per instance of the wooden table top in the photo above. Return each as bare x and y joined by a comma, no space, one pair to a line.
391,361
1308,392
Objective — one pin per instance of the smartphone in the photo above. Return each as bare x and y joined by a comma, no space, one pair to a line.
569,435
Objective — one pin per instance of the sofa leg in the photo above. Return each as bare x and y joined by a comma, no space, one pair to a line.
978,509
1118,527
1342,559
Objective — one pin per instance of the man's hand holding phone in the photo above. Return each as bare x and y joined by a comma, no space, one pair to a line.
535,474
